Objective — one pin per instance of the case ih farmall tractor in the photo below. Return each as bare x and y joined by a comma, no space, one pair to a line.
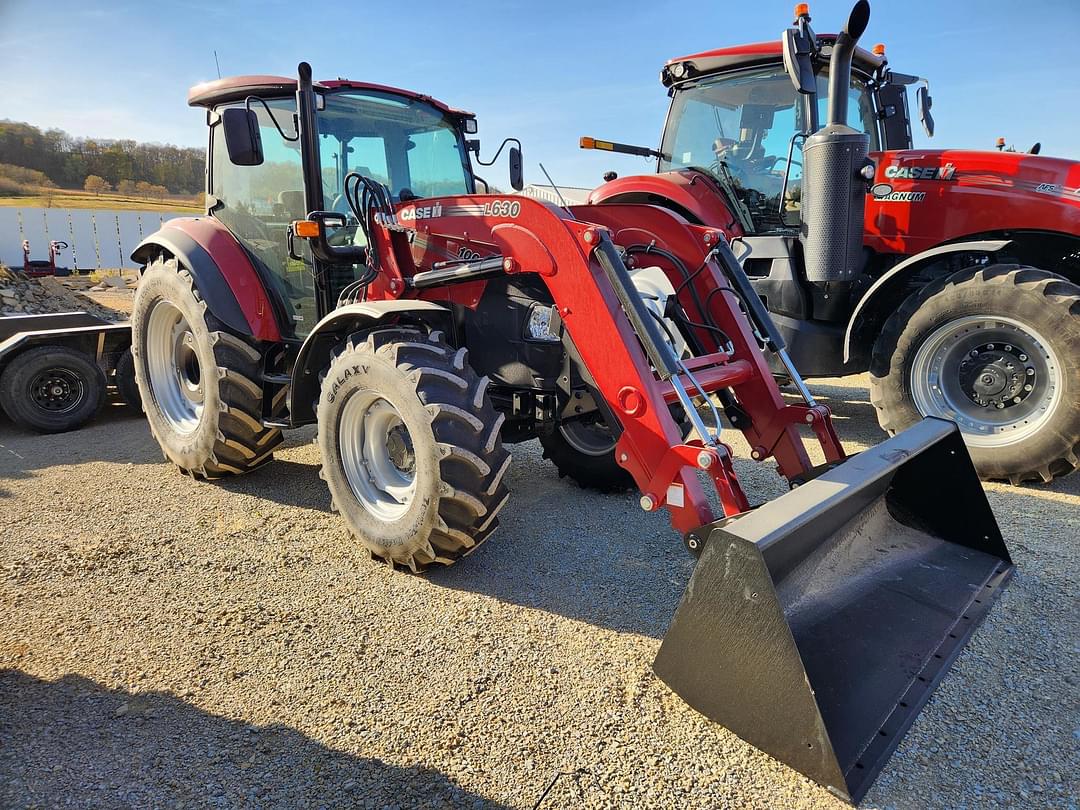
347,274
961,300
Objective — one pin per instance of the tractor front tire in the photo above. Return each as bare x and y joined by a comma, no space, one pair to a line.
52,389
199,384
410,448
994,349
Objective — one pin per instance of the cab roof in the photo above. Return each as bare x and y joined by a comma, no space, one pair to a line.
758,53
236,88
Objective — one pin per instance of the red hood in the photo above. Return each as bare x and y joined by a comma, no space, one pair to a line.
1016,171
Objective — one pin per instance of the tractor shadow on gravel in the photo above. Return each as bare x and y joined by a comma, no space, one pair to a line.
74,739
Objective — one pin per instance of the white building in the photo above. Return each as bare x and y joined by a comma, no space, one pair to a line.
571,194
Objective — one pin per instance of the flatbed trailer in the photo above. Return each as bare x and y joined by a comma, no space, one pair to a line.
56,369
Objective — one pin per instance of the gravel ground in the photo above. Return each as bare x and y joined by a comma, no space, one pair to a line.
172,643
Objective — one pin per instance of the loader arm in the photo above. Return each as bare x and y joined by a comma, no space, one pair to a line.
583,264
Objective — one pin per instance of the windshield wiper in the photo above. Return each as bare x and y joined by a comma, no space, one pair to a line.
727,183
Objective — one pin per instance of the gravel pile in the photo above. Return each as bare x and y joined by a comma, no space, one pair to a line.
173,643
20,295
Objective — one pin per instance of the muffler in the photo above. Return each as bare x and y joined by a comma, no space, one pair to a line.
817,626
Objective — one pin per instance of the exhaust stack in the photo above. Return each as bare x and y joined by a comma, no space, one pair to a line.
840,61
833,200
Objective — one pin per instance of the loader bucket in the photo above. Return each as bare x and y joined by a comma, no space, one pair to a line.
816,627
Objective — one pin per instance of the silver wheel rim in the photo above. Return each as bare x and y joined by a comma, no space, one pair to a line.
997,378
377,455
588,438
172,361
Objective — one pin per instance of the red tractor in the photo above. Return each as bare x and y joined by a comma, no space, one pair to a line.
348,274
962,298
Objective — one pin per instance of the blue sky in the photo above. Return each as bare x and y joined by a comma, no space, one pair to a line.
546,72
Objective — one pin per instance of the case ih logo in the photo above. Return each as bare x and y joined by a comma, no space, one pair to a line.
426,212
920,173
946,172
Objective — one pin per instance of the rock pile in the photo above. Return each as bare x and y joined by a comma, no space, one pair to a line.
20,295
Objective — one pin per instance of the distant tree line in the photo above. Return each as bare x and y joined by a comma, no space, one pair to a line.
146,169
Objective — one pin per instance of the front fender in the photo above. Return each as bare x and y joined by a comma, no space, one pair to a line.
908,267
314,354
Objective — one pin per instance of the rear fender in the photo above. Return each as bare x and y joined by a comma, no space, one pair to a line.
227,280
314,355
879,293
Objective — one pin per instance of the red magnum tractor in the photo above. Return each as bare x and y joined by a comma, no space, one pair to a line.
961,299
347,274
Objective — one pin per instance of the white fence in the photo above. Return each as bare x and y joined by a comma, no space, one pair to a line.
96,238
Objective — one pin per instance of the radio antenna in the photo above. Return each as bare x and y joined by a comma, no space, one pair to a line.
562,200
217,64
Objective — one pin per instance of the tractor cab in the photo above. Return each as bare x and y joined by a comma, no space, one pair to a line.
737,117
273,163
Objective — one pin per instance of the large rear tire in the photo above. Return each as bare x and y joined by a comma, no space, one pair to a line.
199,384
994,349
410,448
584,452
52,389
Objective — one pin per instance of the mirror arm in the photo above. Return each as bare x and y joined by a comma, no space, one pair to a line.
497,153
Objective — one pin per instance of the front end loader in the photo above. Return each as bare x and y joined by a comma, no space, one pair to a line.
348,274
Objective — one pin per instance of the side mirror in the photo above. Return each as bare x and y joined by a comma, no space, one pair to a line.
924,103
242,138
798,46
517,176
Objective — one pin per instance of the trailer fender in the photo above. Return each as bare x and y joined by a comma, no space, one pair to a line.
908,267
224,274
314,354
94,339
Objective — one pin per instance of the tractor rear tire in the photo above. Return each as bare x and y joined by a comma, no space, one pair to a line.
52,389
199,384
410,448
579,451
994,349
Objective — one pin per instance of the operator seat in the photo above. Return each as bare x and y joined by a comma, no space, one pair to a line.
293,203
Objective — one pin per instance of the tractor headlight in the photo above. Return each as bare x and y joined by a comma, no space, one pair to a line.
539,325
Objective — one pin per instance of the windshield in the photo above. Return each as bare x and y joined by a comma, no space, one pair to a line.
409,145
738,128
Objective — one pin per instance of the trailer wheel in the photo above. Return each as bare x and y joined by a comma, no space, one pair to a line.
124,378
52,389
992,348
198,383
410,448
584,451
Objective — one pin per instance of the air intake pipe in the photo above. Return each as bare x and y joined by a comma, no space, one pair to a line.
834,186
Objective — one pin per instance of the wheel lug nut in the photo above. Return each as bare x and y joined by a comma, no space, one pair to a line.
1031,372
1027,387
1016,399
1008,348
1023,358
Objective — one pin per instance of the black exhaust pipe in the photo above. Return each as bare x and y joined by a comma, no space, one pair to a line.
834,188
840,62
